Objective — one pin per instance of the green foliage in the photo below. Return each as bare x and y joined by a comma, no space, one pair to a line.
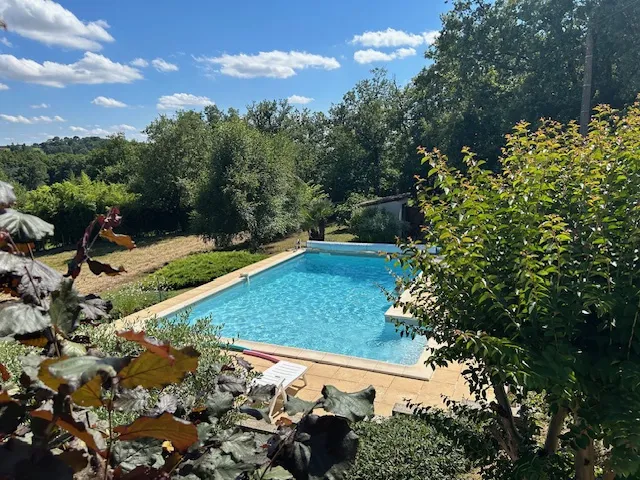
28,167
536,283
136,296
201,268
316,211
166,170
376,225
406,448
496,63
249,186
145,408
73,204
346,209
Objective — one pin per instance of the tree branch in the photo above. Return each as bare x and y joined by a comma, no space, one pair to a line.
505,416
553,433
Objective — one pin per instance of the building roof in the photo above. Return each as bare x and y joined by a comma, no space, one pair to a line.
390,198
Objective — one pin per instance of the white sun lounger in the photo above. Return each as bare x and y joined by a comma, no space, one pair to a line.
282,375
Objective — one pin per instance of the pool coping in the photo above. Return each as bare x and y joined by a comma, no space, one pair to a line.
418,371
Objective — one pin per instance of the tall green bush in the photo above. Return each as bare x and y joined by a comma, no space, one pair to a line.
376,225
249,186
74,203
536,287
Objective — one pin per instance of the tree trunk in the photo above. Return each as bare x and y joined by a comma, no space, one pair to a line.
585,462
585,110
555,428
512,438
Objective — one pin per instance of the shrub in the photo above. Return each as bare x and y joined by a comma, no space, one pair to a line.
201,268
134,297
346,209
72,204
376,225
406,448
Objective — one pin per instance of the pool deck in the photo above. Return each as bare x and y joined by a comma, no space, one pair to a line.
394,383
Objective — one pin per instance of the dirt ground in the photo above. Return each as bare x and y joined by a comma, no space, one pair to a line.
150,254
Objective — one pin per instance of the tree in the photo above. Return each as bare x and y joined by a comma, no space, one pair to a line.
170,164
363,130
27,166
248,186
114,160
497,63
316,212
536,288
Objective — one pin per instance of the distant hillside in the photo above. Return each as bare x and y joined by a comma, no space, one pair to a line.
66,145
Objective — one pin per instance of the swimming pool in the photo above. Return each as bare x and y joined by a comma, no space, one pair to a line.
318,301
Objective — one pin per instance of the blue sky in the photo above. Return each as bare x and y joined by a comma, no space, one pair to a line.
73,58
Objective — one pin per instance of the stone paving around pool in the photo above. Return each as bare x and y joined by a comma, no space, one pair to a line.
389,389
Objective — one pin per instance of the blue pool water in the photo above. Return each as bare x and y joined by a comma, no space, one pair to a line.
318,301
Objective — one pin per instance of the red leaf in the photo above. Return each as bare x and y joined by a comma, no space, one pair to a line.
154,345
97,268
111,220
4,373
77,429
180,433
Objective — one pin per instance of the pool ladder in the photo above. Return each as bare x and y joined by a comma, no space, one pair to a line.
247,277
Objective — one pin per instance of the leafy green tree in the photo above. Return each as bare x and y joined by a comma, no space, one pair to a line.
27,166
496,63
64,166
72,204
536,288
249,186
114,160
316,211
168,167
364,129
270,116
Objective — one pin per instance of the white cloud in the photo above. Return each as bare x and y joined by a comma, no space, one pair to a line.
98,131
139,62
3,87
108,102
32,120
5,41
15,119
50,23
124,128
299,99
92,69
41,105
164,66
181,100
274,64
369,55
394,38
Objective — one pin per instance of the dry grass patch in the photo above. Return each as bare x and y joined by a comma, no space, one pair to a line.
151,254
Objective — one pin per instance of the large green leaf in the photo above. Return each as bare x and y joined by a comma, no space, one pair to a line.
7,195
241,446
145,451
17,318
352,406
30,279
93,307
215,465
321,448
219,403
296,405
65,307
24,227
274,473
